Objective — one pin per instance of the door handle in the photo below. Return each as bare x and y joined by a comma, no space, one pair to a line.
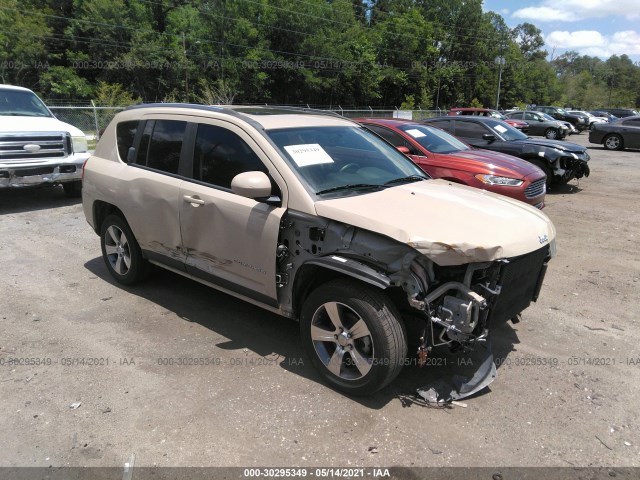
193,200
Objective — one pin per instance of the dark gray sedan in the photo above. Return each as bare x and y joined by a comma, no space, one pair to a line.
541,124
622,133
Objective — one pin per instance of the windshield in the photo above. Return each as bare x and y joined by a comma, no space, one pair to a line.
434,139
341,157
22,103
547,117
562,111
505,130
497,115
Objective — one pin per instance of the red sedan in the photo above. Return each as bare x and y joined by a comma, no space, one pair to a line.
442,155
488,112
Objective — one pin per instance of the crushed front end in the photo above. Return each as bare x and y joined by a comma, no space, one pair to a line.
461,304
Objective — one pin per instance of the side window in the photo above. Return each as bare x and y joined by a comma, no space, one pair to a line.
518,116
393,138
443,124
125,134
165,145
220,155
470,129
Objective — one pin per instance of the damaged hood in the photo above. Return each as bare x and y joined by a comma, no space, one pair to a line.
450,224
558,145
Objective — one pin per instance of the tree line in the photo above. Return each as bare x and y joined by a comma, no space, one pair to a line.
402,53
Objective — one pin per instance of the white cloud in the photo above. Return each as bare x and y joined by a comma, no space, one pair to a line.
576,10
591,42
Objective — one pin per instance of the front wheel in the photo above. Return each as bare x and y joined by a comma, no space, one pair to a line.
547,171
121,252
353,335
551,133
613,142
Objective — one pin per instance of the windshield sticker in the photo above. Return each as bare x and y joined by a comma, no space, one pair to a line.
415,133
500,128
308,154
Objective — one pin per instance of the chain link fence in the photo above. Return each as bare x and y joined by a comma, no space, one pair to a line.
92,120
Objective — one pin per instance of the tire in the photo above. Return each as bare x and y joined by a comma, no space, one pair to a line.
370,359
73,189
551,133
547,171
121,252
613,142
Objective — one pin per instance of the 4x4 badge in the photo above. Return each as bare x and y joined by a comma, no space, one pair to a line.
543,239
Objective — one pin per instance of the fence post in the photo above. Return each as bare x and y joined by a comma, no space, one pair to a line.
95,119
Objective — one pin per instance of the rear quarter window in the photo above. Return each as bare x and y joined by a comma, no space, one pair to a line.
125,135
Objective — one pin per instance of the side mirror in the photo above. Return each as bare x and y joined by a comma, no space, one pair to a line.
404,150
251,185
489,137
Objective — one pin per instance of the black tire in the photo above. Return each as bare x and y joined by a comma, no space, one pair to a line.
613,141
121,252
73,189
547,171
551,133
367,356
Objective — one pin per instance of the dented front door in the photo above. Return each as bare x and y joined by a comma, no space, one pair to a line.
229,240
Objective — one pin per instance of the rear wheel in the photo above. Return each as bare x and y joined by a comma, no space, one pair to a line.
121,252
613,142
551,133
353,335
73,189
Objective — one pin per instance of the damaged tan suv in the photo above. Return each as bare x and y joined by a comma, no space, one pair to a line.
313,217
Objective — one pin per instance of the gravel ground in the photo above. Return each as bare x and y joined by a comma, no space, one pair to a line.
566,392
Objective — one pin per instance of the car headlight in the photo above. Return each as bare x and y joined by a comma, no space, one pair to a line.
79,144
496,180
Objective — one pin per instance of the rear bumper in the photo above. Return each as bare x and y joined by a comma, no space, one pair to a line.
55,171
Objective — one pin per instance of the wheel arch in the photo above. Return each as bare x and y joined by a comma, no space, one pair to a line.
102,210
318,271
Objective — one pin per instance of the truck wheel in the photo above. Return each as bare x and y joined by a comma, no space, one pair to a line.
353,335
613,142
551,133
73,189
121,252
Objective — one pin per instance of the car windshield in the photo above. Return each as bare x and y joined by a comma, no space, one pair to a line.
547,117
344,159
505,130
497,115
562,111
434,139
22,103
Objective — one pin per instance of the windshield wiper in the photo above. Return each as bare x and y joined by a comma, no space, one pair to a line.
409,179
350,186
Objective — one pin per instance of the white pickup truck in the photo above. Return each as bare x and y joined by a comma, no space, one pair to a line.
35,147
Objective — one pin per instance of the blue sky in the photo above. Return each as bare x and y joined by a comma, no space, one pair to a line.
591,27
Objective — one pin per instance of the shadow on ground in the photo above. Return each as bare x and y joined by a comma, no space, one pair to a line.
27,199
266,334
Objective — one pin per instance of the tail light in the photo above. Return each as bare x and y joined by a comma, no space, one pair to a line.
83,166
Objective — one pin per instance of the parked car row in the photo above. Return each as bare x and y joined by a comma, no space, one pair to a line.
488,112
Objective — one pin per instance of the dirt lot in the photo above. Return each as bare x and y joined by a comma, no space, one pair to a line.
566,394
